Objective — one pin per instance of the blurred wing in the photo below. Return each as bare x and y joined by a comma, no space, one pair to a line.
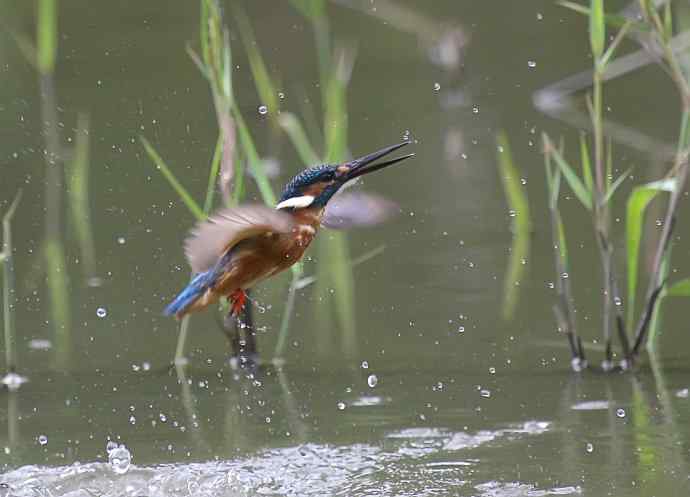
352,209
210,239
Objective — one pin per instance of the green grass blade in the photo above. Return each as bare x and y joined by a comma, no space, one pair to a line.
609,165
679,289
562,242
203,32
58,289
344,287
182,193
668,20
614,186
597,28
553,180
517,202
615,43
78,191
655,322
180,359
256,165
335,107
335,135
9,297
27,48
573,180
238,193
213,174
311,9
637,203
263,82
514,190
586,164
47,35
613,20
287,316
293,127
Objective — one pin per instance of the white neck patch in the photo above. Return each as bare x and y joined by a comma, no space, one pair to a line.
296,202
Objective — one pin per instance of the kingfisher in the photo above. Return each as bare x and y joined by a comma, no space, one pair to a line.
237,247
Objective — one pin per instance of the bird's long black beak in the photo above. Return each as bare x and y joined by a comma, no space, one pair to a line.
363,165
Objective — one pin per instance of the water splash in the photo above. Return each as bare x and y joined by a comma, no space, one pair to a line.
119,458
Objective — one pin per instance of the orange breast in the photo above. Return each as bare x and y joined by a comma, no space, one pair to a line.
260,257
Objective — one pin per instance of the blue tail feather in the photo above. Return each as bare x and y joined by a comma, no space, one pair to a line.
195,289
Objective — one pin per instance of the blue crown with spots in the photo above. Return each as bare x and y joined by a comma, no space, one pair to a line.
307,177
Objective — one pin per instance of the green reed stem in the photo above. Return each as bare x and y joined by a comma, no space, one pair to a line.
80,208
9,298
47,35
213,175
179,359
181,191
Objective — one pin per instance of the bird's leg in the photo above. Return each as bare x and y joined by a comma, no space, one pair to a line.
237,299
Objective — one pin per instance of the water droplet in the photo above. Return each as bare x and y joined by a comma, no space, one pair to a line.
43,440
461,329
485,393
121,240
683,393
492,370
372,381
551,285
437,86
475,109
101,312
564,276
120,459
523,181
341,406
659,222
162,417
263,110
110,446
589,448
620,412
281,95
512,213
132,420
531,64
500,149
617,301
365,365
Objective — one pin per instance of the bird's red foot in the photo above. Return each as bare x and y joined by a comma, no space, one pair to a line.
237,300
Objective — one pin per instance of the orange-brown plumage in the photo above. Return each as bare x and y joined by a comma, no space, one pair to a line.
261,256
